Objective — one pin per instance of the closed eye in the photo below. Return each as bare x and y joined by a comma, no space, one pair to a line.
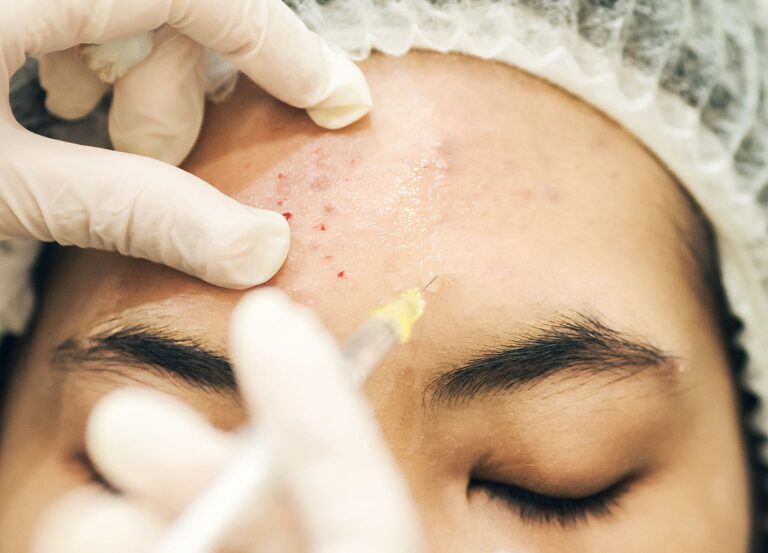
537,508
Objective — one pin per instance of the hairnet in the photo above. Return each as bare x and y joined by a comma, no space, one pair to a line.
687,77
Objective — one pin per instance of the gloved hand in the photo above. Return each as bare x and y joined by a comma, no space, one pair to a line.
87,197
343,490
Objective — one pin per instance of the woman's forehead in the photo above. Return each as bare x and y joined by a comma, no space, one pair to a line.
521,206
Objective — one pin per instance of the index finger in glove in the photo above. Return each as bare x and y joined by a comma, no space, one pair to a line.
96,198
264,38
347,490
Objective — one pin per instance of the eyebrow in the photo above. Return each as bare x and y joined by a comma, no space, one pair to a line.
568,345
565,345
183,358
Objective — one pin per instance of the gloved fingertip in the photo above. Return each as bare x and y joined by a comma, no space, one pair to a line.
262,305
72,90
348,98
108,423
337,117
115,58
252,254
267,329
91,521
266,306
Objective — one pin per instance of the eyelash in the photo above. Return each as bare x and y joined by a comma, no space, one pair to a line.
84,460
537,508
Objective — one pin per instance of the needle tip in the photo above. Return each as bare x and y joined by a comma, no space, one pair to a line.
434,278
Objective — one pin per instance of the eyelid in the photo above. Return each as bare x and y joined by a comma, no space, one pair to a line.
537,508
84,461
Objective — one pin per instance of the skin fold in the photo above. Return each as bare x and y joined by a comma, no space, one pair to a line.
532,207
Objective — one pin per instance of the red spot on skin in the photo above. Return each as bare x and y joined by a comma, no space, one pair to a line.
340,274
280,202
281,175
329,209
321,226
288,215
328,257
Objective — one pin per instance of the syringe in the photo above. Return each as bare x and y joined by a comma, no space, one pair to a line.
203,526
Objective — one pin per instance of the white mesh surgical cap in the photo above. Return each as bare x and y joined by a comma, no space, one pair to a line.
689,78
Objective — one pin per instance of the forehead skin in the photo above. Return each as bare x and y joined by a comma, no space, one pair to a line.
523,199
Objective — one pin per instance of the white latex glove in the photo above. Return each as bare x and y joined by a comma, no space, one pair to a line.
344,491
75,195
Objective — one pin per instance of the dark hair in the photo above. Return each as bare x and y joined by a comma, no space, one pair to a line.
754,439
702,245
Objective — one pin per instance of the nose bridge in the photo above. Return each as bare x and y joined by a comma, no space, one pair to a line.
437,482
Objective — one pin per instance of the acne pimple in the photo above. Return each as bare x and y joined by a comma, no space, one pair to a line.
321,226
280,202
288,215
340,274
328,257
281,175
328,209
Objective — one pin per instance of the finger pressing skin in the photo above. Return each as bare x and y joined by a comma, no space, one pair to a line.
157,109
347,490
155,447
88,520
108,200
72,90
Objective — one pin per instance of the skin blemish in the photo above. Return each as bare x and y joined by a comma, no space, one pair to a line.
281,175
320,182
550,191
328,209
321,226
280,202
340,274
353,161
328,258
288,215
523,193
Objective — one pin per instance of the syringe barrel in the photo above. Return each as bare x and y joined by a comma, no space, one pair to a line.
369,346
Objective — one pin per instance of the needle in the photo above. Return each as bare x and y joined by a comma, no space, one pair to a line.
434,278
